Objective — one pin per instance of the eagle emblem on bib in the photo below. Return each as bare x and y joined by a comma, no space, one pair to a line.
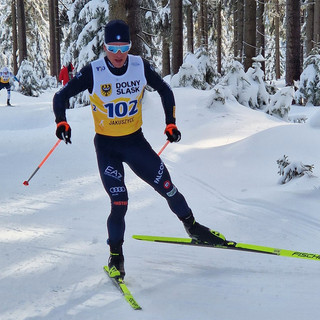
106,90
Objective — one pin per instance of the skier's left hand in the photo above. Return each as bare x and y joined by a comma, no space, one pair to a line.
172,132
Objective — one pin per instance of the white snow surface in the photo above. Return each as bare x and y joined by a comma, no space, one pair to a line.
53,234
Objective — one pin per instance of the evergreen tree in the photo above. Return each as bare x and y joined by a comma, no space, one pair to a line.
309,84
275,39
280,103
196,71
5,35
290,170
38,36
26,75
85,37
257,94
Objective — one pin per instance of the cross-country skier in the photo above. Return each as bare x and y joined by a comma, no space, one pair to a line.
116,84
5,76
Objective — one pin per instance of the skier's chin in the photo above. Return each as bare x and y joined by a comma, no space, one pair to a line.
118,63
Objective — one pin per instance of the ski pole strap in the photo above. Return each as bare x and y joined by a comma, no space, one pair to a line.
65,124
170,127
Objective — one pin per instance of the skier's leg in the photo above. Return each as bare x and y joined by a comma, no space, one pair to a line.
112,176
8,94
149,167
146,164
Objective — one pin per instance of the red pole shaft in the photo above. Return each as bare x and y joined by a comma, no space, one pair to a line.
26,183
49,153
165,145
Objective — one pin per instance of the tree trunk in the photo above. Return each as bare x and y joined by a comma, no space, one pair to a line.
177,35
165,34
219,37
52,30
134,21
316,23
277,39
235,28
190,28
129,11
57,36
309,26
22,37
261,30
203,24
14,36
249,32
165,58
293,41
240,28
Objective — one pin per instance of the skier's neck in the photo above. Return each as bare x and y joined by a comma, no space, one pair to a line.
117,71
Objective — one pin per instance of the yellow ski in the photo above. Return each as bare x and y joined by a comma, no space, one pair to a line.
232,246
120,284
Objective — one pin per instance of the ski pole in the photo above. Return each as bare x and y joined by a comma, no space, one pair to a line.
26,183
163,147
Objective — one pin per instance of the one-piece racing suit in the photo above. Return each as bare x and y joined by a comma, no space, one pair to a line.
115,96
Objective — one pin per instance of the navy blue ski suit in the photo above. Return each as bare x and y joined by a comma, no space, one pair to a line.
133,149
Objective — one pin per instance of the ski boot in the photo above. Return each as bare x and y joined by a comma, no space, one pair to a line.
8,102
116,262
201,233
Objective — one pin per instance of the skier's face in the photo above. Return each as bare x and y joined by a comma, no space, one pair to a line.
117,53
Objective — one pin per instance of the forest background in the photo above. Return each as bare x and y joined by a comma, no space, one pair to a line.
200,39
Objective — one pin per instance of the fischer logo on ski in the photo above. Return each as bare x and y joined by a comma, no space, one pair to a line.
307,255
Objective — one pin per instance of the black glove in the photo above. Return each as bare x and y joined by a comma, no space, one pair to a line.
63,131
172,132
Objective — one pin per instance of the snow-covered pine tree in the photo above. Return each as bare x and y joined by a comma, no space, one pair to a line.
188,76
196,71
37,39
275,26
290,170
309,84
237,81
280,103
150,24
29,79
5,34
219,95
84,38
257,96
38,36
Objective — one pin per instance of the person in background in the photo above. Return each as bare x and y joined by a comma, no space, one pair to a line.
66,73
116,85
5,76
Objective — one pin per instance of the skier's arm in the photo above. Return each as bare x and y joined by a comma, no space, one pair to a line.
165,92
82,81
167,98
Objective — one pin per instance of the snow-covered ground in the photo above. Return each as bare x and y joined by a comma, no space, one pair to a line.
52,233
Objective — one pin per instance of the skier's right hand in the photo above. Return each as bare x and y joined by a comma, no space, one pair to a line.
63,131
172,132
